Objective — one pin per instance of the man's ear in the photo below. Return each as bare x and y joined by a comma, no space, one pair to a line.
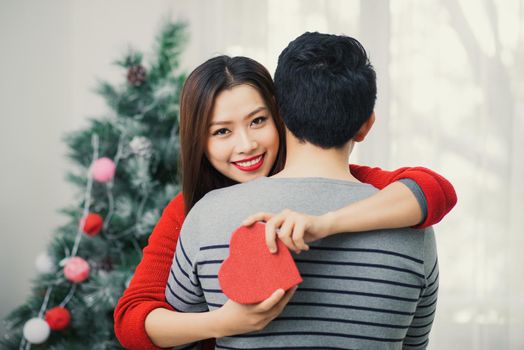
364,129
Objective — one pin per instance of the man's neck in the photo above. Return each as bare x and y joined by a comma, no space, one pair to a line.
307,160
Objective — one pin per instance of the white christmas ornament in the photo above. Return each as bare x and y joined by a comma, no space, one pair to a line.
36,331
44,263
141,146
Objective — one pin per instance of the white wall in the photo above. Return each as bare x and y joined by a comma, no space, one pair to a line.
35,110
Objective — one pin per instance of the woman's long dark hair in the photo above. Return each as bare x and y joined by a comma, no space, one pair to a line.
197,99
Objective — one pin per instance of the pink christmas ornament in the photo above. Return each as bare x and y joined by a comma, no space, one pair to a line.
103,169
91,224
76,269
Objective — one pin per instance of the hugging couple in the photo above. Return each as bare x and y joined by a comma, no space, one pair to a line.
254,150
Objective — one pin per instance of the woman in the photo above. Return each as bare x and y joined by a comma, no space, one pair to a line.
219,151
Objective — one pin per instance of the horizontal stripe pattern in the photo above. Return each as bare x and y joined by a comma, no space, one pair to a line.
327,319
379,251
324,262
183,290
375,290
324,334
406,287
418,334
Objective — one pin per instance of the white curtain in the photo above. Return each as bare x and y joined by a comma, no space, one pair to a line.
451,88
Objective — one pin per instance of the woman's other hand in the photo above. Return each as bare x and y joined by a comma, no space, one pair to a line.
294,229
238,318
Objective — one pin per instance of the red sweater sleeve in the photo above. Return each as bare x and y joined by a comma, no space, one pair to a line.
439,192
146,291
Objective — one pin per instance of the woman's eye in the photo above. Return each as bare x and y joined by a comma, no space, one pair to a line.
220,132
258,120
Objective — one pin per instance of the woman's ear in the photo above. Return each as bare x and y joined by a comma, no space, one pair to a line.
364,129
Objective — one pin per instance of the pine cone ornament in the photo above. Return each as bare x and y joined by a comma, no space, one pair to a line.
136,75
106,264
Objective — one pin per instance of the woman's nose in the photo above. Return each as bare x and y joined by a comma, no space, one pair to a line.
246,143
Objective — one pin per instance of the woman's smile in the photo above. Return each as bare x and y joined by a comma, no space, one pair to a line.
250,164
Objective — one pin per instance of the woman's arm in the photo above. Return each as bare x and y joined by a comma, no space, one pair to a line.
407,197
144,320
393,207
396,205
146,292
438,192
168,328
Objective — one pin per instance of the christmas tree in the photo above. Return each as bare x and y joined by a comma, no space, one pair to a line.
127,173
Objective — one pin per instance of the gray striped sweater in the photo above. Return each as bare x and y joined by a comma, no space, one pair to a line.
371,290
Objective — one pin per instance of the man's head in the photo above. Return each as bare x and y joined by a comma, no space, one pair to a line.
326,88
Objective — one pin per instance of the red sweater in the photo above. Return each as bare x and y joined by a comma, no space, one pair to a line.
146,291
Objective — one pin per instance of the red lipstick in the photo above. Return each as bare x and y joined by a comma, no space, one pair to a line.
251,167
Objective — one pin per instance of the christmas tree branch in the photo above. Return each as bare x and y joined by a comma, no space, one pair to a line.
87,197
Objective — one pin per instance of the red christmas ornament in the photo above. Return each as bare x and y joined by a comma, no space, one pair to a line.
58,318
91,224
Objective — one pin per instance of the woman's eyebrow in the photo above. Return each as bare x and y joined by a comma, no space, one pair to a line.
250,114
255,111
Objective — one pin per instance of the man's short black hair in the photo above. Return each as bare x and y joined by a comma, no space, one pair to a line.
326,88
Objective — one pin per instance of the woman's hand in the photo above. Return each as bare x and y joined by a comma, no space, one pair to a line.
294,229
238,318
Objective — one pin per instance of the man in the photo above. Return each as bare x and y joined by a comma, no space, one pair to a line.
373,290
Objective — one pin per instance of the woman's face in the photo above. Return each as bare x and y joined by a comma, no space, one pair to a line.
243,139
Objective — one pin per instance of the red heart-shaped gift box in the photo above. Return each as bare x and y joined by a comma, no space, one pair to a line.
251,273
